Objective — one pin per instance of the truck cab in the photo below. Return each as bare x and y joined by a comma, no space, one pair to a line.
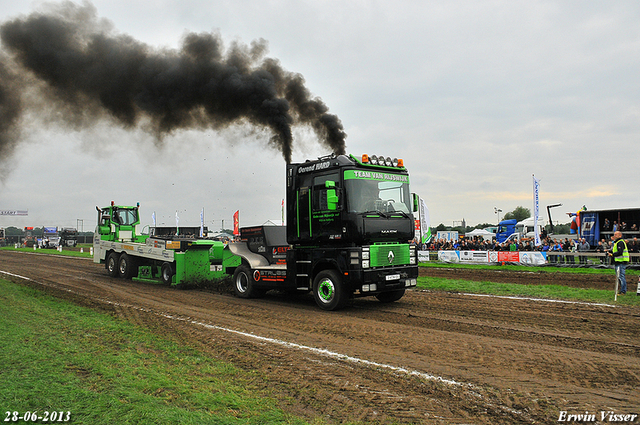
505,229
119,223
50,237
342,200
68,237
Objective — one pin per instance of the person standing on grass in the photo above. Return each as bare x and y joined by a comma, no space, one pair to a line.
620,254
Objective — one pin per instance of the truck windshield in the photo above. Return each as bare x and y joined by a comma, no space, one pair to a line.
377,192
125,217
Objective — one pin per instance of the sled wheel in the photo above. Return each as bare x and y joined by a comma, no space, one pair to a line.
167,273
243,283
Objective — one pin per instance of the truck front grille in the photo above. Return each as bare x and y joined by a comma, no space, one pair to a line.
389,255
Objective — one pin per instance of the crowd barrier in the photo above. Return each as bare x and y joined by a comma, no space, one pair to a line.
522,257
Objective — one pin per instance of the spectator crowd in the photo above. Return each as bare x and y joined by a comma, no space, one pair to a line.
549,244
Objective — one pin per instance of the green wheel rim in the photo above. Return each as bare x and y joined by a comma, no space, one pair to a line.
326,290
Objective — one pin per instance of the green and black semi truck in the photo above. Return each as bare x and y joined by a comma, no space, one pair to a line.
349,229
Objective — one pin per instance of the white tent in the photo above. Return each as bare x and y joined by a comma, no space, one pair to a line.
481,232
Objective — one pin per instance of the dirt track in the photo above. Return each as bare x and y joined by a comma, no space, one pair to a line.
438,357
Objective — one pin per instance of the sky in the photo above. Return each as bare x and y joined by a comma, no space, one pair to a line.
475,97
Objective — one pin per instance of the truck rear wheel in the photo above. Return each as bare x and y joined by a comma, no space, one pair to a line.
112,264
328,290
126,266
243,283
391,296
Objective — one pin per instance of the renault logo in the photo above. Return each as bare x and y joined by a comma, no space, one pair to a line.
390,257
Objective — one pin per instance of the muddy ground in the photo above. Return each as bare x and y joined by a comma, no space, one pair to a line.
430,358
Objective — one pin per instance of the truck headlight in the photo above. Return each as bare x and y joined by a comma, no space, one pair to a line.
365,264
410,282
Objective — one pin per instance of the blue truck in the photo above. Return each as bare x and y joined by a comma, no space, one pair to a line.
505,229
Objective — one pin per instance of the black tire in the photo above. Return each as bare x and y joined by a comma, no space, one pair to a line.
126,266
112,264
167,273
391,296
328,290
244,285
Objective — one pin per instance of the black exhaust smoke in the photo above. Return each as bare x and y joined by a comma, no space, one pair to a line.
89,70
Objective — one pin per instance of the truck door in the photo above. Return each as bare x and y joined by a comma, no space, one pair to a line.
325,207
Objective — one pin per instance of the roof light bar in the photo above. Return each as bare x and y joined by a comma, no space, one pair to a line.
381,160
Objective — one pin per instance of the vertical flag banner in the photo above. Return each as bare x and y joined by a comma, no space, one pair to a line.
236,223
283,212
202,223
177,221
153,218
425,226
536,210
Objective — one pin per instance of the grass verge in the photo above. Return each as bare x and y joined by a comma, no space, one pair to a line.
534,269
57,356
552,292
69,252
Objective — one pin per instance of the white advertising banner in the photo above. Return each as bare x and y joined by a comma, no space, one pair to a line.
423,256
474,256
449,256
529,258
533,258
447,235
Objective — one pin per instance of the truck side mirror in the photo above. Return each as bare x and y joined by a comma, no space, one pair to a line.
416,201
332,195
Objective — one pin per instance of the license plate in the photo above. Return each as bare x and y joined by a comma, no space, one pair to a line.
392,277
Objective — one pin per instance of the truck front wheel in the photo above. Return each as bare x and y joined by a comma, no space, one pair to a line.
328,290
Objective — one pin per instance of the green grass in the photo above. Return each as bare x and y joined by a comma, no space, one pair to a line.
57,356
69,252
554,292
536,269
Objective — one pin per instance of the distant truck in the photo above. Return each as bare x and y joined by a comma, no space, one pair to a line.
50,238
68,237
519,229
505,229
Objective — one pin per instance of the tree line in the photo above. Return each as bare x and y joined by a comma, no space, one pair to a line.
519,213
